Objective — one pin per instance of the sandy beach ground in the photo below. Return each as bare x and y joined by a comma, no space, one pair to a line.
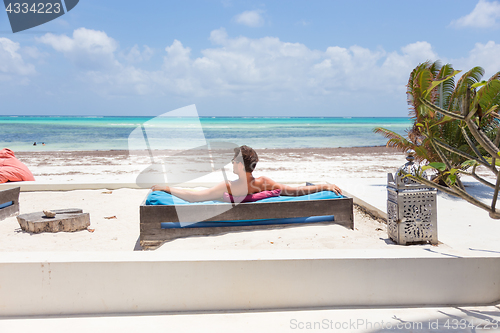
121,231
319,164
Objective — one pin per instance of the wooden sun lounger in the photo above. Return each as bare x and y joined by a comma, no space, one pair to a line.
9,196
153,236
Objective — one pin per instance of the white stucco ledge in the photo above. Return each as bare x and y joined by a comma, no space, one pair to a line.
73,283
35,186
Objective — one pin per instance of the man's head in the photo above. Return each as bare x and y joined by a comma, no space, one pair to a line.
249,156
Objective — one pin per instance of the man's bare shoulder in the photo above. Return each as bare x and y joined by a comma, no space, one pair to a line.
263,180
264,183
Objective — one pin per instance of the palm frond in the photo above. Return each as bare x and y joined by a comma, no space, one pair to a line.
422,81
495,76
412,91
401,144
448,86
435,99
435,68
488,95
468,79
388,134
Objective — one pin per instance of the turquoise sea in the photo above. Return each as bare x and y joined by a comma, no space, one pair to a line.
109,133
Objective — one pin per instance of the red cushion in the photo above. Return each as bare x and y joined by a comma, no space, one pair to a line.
251,197
11,169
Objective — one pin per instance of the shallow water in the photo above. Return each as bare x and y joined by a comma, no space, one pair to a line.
108,133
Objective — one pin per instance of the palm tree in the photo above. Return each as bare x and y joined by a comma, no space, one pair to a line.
456,127
433,84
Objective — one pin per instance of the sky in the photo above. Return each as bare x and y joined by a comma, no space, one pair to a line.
239,58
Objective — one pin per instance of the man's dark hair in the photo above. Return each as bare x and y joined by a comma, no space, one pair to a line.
249,155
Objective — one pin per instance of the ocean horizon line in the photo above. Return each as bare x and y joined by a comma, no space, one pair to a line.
182,150
284,117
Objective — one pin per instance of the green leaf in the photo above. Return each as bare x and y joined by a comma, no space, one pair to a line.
434,84
444,120
422,109
479,84
473,76
493,108
438,165
469,163
424,80
452,179
427,167
453,171
488,96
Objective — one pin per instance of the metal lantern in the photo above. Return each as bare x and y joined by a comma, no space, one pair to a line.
411,207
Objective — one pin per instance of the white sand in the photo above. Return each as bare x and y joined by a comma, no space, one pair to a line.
318,164
122,233
113,234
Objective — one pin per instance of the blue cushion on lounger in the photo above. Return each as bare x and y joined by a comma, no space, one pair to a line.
239,223
6,204
164,198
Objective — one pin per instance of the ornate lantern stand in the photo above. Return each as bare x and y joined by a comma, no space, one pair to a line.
411,207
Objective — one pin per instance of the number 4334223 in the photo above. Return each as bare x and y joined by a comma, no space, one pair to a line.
36,8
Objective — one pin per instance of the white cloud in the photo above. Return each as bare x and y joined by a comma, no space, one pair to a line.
246,71
251,18
239,65
136,55
252,69
11,61
218,36
487,55
410,56
33,52
484,55
95,54
263,68
88,49
357,69
270,67
484,15
128,81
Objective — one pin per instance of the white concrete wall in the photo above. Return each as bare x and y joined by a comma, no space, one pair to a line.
86,283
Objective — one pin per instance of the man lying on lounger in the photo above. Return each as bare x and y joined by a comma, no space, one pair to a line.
244,162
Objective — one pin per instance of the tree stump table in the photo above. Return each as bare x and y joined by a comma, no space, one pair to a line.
69,220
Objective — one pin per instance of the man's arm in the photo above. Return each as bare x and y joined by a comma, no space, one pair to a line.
270,184
212,193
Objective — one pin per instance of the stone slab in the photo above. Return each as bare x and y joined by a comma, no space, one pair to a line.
68,220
